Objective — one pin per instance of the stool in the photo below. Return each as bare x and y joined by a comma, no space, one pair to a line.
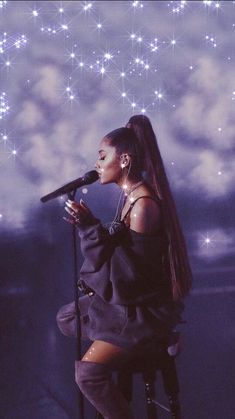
158,357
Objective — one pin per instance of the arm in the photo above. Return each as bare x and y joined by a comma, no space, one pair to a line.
129,270
96,242
97,245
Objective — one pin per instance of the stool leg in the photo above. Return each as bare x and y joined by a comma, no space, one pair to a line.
169,375
171,385
124,382
149,384
174,407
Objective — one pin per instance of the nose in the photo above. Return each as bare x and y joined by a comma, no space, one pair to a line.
96,165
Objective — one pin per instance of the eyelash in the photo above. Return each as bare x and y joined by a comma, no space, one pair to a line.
101,158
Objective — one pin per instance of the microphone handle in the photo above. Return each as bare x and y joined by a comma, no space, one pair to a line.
87,179
61,191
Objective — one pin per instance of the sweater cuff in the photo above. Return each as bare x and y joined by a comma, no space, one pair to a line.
87,230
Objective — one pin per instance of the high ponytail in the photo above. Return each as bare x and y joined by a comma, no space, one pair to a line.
176,262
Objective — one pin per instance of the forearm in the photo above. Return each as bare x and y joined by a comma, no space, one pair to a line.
96,245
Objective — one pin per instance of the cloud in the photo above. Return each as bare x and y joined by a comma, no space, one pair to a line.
213,175
52,159
17,197
48,85
30,116
59,140
200,132
205,173
205,109
53,152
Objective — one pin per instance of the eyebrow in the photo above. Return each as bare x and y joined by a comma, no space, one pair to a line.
100,151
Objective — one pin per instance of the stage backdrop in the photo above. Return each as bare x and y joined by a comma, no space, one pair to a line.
69,73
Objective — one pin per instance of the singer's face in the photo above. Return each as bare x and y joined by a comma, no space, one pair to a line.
108,164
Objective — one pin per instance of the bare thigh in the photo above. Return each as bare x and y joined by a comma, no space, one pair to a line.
106,353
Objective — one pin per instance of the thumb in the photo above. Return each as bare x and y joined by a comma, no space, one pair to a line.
82,203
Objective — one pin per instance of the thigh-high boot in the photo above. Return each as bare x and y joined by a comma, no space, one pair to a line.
95,382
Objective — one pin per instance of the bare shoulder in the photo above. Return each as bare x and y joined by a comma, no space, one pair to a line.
145,216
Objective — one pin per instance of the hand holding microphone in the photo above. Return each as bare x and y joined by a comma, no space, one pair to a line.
80,213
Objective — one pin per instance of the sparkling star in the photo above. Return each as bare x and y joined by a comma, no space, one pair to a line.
207,241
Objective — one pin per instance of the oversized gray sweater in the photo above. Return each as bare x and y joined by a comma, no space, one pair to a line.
132,301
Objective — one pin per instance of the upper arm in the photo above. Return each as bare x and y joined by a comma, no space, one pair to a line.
145,216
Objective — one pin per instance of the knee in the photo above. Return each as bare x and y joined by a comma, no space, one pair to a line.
89,374
66,319
81,375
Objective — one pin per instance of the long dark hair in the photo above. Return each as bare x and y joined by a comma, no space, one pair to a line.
138,139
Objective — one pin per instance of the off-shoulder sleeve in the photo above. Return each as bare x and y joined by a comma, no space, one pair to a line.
96,245
124,268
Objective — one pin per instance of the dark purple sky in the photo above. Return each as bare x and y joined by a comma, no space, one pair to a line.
73,71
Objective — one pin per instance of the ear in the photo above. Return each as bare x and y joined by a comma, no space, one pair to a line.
125,160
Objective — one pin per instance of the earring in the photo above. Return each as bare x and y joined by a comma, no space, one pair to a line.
124,164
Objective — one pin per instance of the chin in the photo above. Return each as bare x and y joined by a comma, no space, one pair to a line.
105,181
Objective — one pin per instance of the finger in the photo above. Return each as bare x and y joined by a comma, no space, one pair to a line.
76,214
77,206
72,204
70,212
68,220
84,206
72,207
81,210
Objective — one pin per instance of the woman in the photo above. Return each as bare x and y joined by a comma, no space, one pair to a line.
136,271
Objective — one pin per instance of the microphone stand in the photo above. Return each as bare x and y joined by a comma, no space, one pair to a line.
71,196
70,189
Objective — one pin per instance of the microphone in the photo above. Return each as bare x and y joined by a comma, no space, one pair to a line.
87,179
